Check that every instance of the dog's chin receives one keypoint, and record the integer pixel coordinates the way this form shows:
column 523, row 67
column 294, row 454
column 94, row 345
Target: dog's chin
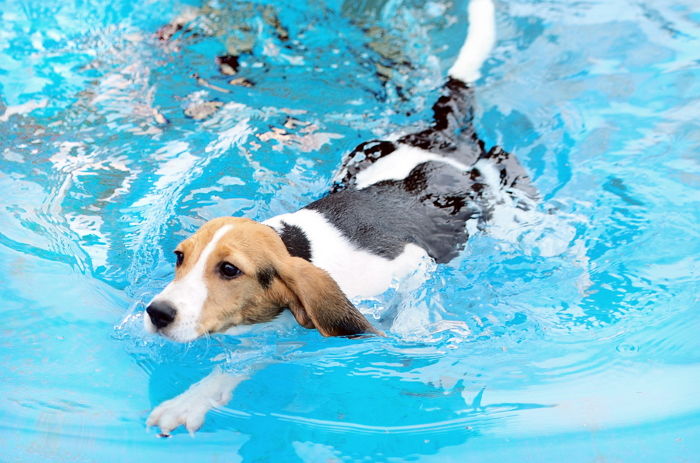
column 178, row 336
column 173, row 333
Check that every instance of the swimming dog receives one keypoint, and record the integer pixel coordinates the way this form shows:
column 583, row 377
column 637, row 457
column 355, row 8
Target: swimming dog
column 393, row 204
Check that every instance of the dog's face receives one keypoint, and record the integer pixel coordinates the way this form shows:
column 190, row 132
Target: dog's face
column 236, row 271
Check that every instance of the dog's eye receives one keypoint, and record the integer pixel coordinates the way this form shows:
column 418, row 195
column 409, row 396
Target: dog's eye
column 228, row 270
column 179, row 256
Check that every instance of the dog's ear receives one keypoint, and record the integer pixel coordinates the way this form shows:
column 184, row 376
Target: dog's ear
column 318, row 302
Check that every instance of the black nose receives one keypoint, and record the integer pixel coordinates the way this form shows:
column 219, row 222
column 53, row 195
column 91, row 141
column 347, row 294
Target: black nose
column 162, row 313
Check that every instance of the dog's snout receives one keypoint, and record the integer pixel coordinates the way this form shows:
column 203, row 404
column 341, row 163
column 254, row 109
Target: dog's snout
column 161, row 313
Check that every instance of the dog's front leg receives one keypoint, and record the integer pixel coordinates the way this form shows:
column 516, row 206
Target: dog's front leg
column 190, row 407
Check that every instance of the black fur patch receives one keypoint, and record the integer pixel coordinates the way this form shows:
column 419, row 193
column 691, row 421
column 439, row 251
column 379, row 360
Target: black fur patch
column 296, row 241
column 265, row 276
column 452, row 132
column 429, row 208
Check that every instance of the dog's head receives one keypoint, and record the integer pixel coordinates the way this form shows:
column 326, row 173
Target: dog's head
column 236, row 271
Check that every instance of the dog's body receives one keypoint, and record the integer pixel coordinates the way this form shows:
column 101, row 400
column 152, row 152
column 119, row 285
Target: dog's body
column 397, row 202
column 393, row 204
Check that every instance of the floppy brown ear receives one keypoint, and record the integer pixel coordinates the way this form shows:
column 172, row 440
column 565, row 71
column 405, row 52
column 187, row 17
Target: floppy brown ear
column 318, row 301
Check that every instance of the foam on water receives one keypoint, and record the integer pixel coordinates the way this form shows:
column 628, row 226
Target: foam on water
column 565, row 332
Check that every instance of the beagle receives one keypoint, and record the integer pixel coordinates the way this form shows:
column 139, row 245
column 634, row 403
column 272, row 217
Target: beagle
column 393, row 204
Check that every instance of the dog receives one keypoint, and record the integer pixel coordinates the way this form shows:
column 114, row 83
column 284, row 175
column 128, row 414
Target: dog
column 393, row 204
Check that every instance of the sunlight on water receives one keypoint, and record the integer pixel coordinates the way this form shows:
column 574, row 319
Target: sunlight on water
column 566, row 333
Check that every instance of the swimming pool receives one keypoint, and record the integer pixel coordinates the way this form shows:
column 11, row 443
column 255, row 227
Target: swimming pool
column 573, row 338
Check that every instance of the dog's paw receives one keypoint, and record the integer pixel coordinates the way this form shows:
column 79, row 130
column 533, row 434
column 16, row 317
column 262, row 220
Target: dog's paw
column 190, row 407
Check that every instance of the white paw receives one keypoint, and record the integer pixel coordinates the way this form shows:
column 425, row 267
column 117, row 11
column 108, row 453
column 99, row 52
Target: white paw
column 190, row 407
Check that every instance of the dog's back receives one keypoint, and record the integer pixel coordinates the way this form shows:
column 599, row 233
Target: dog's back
column 429, row 188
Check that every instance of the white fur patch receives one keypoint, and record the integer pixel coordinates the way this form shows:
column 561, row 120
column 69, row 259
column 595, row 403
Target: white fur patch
column 480, row 40
column 359, row 273
column 187, row 295
column 400, row 163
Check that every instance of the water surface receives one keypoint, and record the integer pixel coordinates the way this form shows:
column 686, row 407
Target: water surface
column 573, row 337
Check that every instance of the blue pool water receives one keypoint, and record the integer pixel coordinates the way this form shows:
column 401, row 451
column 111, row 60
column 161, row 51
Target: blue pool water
column 568, row 339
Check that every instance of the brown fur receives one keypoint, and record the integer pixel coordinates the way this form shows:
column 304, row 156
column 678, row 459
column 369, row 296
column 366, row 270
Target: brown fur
column 272, row 280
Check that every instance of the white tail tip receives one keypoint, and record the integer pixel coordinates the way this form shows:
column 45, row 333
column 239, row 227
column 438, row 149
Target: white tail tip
column 480, row 40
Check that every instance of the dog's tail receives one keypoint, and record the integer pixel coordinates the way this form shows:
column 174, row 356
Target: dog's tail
column 452, row 127
column 480, row 40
